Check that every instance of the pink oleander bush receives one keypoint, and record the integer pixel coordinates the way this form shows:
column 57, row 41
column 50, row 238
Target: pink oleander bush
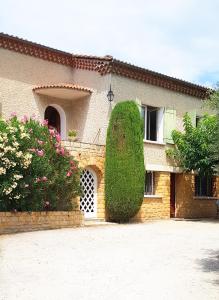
column 36, row 172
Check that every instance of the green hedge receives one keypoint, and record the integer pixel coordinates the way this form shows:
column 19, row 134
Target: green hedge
column 124, row 169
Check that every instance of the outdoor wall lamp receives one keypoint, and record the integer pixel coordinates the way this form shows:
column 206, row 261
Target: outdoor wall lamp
column 110, row 95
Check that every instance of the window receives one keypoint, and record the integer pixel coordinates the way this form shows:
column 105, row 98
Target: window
column 197, row 120
column 149, row 183
column 153, row 123
column 203, row 186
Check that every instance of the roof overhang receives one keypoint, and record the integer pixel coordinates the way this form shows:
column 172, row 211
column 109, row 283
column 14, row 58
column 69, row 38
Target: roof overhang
column 63, row 91
column 102, row 65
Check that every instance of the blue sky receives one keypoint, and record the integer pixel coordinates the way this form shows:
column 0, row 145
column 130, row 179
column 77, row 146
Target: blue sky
column 179, row 38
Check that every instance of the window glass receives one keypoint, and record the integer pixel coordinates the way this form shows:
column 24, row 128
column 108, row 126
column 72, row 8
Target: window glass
column 203, row 186
column 151, row 123
column 149, row 183
column 197, row 120
column 150, row 118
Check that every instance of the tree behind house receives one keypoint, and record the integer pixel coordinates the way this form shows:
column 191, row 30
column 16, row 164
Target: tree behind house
column 194, row 149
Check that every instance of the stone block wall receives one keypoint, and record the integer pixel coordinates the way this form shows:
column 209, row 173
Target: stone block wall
column 30, row 221
column 153, row 207
column 92, row 156
column 158, row 206
column 189, row 206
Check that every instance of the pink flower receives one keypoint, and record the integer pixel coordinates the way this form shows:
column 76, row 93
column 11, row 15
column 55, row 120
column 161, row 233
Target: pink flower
column 13, row 114
column 30, row 130
column 40, row 142
column 40, row 152
column 38, row 179
column 73, row 168
column 52, row 132
column 44, row 178
column 62, row 151
column 69, row 174
column 32, row 150
column 58, row 137
column 44, row 122
column 33, row 117
column 24, row 119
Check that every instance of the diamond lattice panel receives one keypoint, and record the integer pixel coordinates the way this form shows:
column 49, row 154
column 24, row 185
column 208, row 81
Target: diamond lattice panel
column 87, row 200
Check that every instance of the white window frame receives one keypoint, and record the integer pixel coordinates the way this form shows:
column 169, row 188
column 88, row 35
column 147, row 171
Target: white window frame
column 159, row 125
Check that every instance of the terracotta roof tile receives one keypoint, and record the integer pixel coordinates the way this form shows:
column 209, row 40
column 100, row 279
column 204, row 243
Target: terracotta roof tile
column 65, row 86
column 103, row 65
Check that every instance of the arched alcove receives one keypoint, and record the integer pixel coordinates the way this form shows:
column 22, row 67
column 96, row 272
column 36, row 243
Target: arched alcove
column 56, row 118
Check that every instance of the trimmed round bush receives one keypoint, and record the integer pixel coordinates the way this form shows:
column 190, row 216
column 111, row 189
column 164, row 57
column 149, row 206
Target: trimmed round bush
column 124, row 167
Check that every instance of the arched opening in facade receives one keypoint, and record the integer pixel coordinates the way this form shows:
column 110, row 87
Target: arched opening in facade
column 56, row 119
column 53, row 117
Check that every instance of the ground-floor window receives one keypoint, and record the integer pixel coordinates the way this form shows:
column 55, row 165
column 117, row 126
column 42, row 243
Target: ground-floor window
column 203, row 186
column 149, row 183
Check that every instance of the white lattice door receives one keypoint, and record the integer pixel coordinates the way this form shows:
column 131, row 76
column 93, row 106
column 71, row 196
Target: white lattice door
column 88, row 200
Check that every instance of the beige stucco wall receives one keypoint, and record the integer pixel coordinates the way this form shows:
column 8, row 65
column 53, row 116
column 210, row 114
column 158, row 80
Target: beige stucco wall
column 89, row 115
column 98, row 111
column 129, row 89
column 19, row 74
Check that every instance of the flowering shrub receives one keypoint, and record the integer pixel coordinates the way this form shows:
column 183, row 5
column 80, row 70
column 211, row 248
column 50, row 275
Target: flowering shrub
column 36, row 172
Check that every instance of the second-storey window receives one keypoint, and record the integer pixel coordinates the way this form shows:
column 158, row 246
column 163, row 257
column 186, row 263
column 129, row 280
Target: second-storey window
column 197, row 120
column 153, row 121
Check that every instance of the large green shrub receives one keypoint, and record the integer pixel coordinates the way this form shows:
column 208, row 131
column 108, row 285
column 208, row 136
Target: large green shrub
column 124, row 173
column 194, row 149
column 36, row 172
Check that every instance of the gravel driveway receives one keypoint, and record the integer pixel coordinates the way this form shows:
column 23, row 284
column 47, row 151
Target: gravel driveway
column 155, row 260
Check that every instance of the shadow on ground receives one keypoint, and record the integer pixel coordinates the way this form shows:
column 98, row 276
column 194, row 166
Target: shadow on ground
column 210, row 264
column 210, row 220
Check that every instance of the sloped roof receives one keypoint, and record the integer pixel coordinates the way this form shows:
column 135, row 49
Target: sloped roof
column 103, row 65
column 63, row 90
column 65, row 86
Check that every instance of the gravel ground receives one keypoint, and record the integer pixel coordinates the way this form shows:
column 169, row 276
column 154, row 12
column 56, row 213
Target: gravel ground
column 155, row 260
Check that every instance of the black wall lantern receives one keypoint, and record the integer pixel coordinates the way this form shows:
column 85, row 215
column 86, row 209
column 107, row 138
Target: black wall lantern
column 110, row 95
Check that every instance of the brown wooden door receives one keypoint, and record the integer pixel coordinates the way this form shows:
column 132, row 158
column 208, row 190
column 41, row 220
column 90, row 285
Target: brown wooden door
column 172, row 194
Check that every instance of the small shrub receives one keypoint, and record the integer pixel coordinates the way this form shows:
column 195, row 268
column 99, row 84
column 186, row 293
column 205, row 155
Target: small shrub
column 124, row 172
column 72, row 134
column 36, row 172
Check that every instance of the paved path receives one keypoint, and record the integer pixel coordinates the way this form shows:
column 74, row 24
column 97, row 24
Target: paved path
column 156, row 260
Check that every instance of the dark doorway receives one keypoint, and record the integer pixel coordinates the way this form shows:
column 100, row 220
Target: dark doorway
column 53, row 117
column 172, row 194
